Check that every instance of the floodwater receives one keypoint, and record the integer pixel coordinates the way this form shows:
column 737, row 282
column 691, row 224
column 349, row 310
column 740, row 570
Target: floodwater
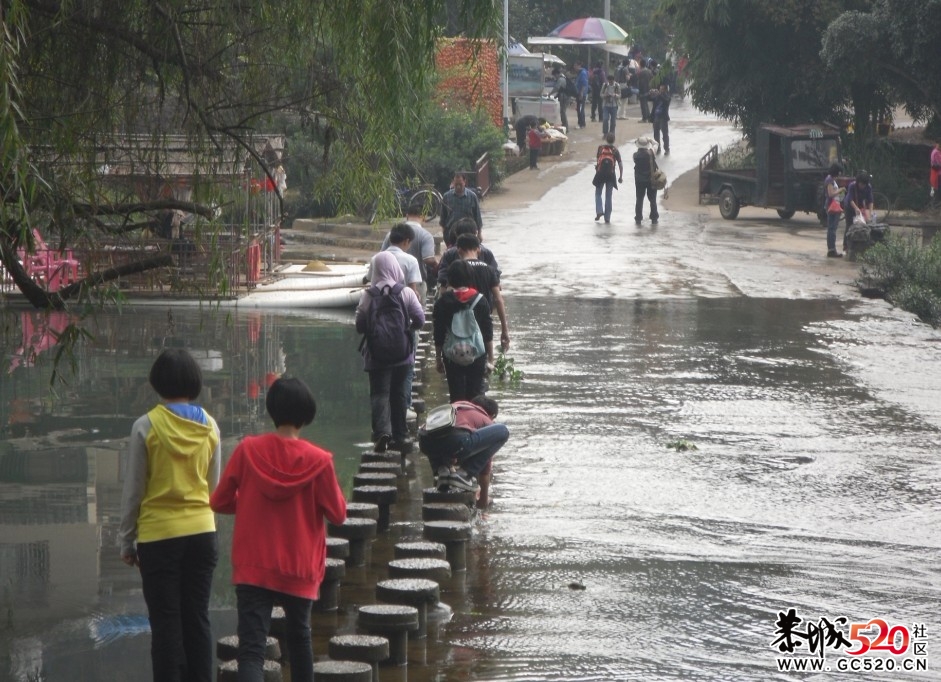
column 606, row 555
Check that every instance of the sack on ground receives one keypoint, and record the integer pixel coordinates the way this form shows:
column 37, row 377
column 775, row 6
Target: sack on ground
column 658, row 179
column 388, row 330
column 464, row 343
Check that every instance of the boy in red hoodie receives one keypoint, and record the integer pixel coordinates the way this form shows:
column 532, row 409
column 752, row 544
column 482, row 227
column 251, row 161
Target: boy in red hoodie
column 280, row 488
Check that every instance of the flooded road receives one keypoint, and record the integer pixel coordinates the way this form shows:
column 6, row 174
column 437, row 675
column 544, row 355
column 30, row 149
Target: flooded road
column 607, row 554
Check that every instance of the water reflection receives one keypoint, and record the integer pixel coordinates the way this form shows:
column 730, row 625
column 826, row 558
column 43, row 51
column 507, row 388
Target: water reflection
column 813, row 485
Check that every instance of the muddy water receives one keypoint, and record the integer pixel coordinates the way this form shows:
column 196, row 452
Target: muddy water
column 607, row 555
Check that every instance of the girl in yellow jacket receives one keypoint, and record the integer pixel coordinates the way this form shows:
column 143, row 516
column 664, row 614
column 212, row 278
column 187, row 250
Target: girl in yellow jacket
column 167, row 527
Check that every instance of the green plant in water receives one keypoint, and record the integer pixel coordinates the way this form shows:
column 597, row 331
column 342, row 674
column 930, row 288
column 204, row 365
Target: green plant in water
column 682, row 445
column 505, row 370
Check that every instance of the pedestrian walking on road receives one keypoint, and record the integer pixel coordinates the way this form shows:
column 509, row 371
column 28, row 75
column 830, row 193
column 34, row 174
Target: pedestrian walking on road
column 606, row 158
column 644, row 165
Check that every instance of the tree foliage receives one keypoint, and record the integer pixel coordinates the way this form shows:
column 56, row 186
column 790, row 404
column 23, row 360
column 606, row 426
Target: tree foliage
column 78, row 77
column 757, row 62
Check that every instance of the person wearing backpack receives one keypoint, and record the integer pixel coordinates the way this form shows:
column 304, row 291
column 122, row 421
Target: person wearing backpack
column 605, row 159
column 463, row 331
column 387, row 315
column 644, row 166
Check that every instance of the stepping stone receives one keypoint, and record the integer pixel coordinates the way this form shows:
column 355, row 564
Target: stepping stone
column 338, row 548
column 363, row 648
column 437, row 570
column 417, row 592
column 330, row 587
column 358, row 532
column 393, row 622
column 227, row 648
column 419, row 550
column 445, row 511
column 382, row 495
column 342, row 671
column 373, row 479
column 229, row 672
column 362, row 510
column 419, row 405
column 463, row 496
column 454, row 535
column 389, row 457
column 382, row 467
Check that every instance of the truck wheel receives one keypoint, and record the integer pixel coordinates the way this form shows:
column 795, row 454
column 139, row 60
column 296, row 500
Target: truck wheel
column 728, row 204
column 785, row 215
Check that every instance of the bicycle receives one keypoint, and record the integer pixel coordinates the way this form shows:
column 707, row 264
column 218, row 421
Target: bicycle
column 425, row 196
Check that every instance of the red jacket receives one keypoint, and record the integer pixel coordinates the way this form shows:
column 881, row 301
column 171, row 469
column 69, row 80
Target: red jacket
column 280, row 490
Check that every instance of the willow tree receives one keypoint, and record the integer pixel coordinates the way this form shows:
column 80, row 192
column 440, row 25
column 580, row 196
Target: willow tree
column 79, row 76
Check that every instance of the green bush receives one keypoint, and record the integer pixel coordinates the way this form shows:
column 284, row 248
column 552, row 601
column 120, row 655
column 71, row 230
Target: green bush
column 908, row 275
column 452, row 140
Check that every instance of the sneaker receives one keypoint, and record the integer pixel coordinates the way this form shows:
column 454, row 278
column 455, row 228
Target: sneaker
column 638, row 220
column 461, row 480
column 834, row 254
column 666, row 152
column 382, row 443
column 443, row 479
column 598, row 216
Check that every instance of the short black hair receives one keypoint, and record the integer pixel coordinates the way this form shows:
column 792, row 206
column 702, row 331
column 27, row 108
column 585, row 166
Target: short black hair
column 175, row 374
column 835, row 169
column 465, row 226
column 401, row 232
column 289, row 401
column 459, row 274
column 489, row 405
column 467, row 242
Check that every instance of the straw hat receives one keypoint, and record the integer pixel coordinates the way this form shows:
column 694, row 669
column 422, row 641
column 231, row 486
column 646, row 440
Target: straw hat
column 642, row 142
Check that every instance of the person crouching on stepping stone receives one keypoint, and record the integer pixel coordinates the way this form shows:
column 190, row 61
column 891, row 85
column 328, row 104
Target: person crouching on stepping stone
column 461, row 454
column 280, row 489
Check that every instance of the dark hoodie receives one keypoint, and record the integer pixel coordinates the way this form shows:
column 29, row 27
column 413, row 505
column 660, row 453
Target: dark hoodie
column 280, row 490
column 453, row 300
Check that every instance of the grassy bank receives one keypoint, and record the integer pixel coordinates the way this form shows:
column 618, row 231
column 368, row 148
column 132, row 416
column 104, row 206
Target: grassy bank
column 906, row 274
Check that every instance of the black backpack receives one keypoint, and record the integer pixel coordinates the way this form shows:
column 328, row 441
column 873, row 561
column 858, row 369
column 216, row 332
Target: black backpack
column 569, row 88
column 388, row 329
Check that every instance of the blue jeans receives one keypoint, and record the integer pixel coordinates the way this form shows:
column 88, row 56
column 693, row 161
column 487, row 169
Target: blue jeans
column 472, row 449
column 580, row 110
column 833, row 222
column 606, row 208
column 177, row 580
column 254, row 609
column 388, row 398
column 609, row 118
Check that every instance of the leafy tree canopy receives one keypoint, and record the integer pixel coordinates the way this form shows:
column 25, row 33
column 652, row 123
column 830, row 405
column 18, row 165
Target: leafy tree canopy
column 78, row 77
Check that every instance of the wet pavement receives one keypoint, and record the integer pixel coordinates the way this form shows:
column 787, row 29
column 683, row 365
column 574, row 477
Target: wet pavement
column 607, row 554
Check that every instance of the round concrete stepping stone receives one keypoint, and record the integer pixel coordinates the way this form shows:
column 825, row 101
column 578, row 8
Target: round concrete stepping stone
column 445, row 511
column 382, row 467
column 363, row 648
column 374, row 479
column 418, row 404
column 358, row 532
column 381, row 495
column 338, row 548
column 362, row 510
column 393, row 622
column 419, row 550
column 229, row 672
column 430, row 495
column 454, row 535
column 437, row 570
column 342, row 671
column 227, row 648
column 329, row 599
column 417, row 592
column 388, row 457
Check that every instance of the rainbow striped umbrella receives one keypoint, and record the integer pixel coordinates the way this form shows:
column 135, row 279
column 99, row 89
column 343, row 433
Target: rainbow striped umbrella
column 591, row 28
